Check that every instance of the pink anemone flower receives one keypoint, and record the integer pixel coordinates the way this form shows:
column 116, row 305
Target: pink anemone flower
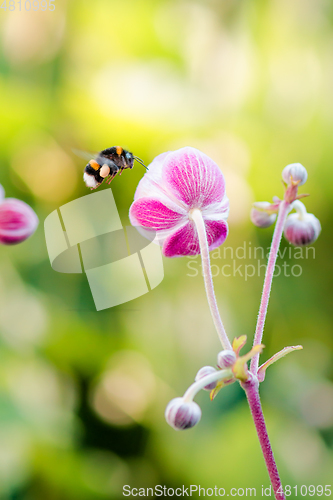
column 177, row 183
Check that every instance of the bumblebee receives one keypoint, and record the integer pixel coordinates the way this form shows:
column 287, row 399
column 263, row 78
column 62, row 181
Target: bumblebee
column 107, row 164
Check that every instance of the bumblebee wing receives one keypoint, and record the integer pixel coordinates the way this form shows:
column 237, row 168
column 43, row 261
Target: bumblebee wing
column 84, row 154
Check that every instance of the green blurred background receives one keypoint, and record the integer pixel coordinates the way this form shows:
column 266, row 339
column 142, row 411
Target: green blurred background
column 83, row 393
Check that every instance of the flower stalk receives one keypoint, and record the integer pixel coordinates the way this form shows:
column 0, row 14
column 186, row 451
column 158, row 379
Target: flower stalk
column 253, row 398
column 197, row 218
column 208, row 379
column 282, row 216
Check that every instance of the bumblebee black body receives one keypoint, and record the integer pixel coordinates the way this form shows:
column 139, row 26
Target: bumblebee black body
column 119, row 156
column 107, row 164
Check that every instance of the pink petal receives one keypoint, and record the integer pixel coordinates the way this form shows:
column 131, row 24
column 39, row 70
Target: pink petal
column 193, row 177
column 217, row 211
column 217, row 232
column 184, row 241
column 153, row 214
column 151, row 182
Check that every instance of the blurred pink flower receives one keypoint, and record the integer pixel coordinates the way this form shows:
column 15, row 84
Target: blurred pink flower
column 18, row 221
column 178, row 182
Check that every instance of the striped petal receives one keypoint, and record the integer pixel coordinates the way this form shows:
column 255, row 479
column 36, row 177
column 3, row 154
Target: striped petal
column 153, row 214
column 184, row 240
column 151, row 182
column 193, row 178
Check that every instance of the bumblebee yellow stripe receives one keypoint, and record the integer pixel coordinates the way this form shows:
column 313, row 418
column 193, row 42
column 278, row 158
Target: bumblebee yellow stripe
column 94, row 164
column 119, row 150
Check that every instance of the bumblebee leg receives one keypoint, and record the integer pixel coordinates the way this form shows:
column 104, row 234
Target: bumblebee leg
column 111, row 177
column 114, row 169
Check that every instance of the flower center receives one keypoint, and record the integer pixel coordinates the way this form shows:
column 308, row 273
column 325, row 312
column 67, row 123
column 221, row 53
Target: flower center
column 192, row 212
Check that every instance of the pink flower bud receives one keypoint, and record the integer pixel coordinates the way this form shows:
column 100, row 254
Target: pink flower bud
column 302, row 230
column 18, row 221
column 203, row 372
column 262, row 219
column 182, row 415
column 296, row 171
column 226, row 358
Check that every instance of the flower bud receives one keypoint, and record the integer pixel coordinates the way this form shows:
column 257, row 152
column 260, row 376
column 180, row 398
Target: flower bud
column 18, row 221
column 296, row 171
column 206, row 370
column 303, row 230
column 226, row 358
column 182, row 415
column 262, row 219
